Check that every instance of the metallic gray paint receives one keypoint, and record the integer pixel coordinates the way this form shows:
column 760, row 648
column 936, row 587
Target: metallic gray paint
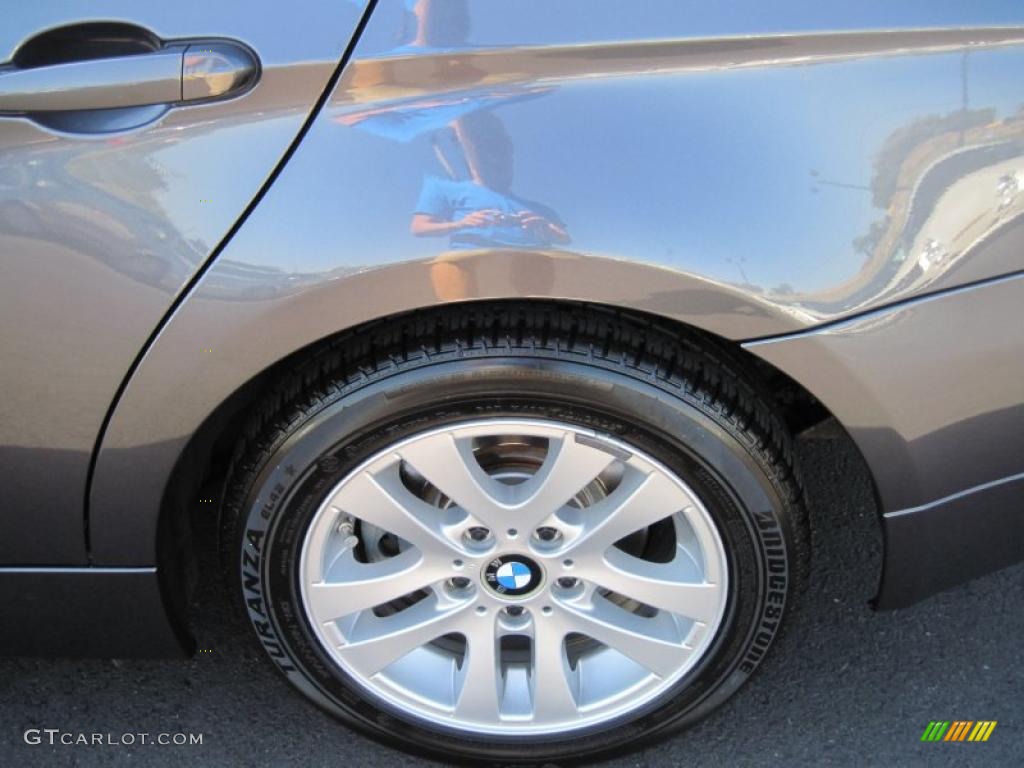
column 748, row 170
column 98, row 235
column 748, row 186
column 932, row 391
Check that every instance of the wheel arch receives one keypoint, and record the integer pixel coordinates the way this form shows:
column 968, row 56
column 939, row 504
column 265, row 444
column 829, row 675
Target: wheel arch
column 200, row 460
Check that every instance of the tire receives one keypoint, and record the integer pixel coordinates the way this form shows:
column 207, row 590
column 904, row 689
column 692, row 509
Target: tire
column 685, row 406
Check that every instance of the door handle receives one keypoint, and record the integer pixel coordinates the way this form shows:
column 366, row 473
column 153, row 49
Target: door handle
column 175, row 75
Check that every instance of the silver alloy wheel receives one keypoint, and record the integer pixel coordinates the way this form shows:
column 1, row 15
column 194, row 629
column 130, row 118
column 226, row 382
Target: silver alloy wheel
column 497, row 577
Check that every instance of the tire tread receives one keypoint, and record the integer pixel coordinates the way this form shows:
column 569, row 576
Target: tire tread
column 695, row 367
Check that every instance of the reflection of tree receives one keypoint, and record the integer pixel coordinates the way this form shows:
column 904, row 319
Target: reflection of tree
column 903, row 158
column 867, row 243
column 906, row 141
column 945, row 184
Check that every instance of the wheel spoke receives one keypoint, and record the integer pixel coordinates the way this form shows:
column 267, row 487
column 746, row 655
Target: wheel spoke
column 382, row 500
column 654, row 584
column 641, row 501
column 376, row 642
column 654, row 643
column 450, row 466
column 567, row 469
column 479, row 696
column 552, row 679
column 365, row 585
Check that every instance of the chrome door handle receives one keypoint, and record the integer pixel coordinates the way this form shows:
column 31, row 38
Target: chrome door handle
column 176, row 74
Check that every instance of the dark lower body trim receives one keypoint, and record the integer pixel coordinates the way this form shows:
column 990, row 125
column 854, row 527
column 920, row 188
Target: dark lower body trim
column 107, row 612
column 952, row 540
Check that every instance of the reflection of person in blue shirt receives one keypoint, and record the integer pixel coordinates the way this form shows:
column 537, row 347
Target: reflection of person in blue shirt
column 476, row 216
column 481, row 211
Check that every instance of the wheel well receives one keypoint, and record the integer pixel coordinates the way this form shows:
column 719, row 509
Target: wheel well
column 203, row 464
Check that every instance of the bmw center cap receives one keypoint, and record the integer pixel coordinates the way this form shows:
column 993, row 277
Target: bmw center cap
column 513, row 575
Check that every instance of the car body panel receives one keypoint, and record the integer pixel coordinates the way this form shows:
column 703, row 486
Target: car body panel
column 732, row 184
column 100, row 233
column 932, row 393
column 757, row 172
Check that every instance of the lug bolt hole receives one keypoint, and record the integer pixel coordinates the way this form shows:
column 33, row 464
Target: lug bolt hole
column 477, row 534
column 547, row 534
column 546, row 610
column 567, row 582
column 514, row 610
column 459, row 582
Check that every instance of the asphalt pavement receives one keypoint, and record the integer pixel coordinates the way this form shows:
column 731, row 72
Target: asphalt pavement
column 844, row 686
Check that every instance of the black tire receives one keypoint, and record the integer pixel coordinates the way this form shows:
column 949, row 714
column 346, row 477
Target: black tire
column 687, row 401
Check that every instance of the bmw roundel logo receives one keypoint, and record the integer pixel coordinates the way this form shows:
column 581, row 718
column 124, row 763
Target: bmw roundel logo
column 512, row 575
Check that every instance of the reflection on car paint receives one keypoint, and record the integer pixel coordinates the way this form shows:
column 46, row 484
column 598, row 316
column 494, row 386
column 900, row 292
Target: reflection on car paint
column 814, row 175
column 710, row 163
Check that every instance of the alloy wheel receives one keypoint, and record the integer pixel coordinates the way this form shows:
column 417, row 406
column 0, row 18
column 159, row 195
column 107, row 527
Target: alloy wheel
column 513, row 576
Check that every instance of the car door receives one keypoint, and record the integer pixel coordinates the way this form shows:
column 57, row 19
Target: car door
column 132, row 137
